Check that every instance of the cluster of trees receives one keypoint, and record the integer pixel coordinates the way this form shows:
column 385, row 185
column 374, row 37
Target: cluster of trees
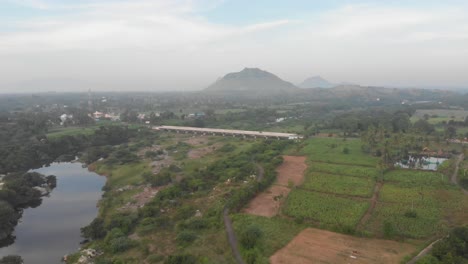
column 37, row 150
column 452, row 249
column 18, row 192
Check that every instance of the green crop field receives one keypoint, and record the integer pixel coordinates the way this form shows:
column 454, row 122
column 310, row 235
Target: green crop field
column 392, row 220
column 416, row 204
column 356, row 171
column 339, row 184
column 333, row 150
column 327, row 209
column 415, row 177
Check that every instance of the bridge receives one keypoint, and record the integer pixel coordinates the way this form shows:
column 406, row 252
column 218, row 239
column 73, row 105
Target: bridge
column 228, row 132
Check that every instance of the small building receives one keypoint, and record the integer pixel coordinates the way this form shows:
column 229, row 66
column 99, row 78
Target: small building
column 98, row 115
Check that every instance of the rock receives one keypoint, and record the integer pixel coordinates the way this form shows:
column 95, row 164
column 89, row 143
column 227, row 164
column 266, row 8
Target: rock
column 198, row 213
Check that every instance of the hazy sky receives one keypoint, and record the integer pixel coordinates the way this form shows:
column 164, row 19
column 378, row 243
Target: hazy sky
column 186, row 45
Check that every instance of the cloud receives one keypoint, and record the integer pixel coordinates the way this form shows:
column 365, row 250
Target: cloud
column 170, row 44
column 123, row 24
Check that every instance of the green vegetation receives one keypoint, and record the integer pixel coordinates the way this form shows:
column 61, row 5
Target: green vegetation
column 451, row 249
column 274, row 232
column 331, row 150
column 330, row 183
column 329, row 210
column 345, row 170
column 19, row 192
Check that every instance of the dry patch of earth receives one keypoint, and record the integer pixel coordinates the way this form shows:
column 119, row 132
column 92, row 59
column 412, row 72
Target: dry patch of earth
column 197, row 140
column 290, row 172
column 321, row 246
column 201, row 152
column 140, row 199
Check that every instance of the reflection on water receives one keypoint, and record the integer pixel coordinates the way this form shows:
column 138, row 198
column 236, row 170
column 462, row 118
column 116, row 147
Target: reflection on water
column 422, row 163
column 52, row 230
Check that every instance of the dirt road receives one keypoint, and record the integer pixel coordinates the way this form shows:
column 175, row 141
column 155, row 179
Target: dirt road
column 232, row 236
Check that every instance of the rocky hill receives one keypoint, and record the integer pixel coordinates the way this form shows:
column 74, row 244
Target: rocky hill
column 252, row 80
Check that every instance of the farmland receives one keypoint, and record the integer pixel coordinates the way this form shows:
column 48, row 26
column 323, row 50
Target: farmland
column 336, row 194
column 338, row 184
column 327, row 209
column 338, row 151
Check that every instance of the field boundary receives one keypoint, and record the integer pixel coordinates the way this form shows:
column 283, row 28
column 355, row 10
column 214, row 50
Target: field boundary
column 370, row 211
column 342, row 163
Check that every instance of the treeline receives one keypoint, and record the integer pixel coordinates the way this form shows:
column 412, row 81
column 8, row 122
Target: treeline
column 18, row 192
column 37, row 150
column 452, row 249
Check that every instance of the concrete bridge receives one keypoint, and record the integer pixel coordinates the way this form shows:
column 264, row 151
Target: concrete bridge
column 228, row 132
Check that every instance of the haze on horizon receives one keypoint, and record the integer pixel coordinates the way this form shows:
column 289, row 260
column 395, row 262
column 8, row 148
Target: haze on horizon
column 167, row 45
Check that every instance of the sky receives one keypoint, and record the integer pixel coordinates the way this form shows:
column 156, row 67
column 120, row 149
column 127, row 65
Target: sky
column 175, row 45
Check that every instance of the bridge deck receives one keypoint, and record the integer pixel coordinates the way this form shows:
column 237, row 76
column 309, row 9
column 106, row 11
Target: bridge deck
column 229, row 132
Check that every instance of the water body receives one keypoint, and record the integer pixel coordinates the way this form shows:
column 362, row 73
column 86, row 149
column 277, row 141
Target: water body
column 422, row 163
column 52, row 230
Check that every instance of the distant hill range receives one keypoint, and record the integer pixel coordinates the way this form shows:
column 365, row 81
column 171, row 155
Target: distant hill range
column 316, row 82
column 255, row 83
column 252, row 80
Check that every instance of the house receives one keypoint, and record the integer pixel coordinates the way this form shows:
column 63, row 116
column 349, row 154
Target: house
column 98, row 115
column 141, row 116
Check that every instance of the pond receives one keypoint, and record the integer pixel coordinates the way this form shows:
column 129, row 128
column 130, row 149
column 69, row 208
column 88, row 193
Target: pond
column 422, row 163
column 50, row 231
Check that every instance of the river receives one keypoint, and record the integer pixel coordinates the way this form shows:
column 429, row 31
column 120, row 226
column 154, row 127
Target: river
column 50, row 231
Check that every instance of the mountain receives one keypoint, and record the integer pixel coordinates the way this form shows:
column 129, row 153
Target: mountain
column 252, row 80
column 316, row 82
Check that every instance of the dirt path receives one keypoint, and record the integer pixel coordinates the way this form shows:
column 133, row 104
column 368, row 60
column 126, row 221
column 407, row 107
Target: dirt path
column 423, row 252
column 455, row 172
column 267, row 203
column 232, row 236
column 260, row 172
column 374, row 200
column 321, row 246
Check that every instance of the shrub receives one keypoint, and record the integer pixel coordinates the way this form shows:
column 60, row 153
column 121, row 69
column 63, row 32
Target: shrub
column 250, row 236
column 411, row 214
column 11, row 259
column 181, row 259
column 185, row 237
column 120, row 244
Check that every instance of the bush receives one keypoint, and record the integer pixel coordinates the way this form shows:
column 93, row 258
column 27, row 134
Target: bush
column 186, row 237
column 411, row 214
column 250, row 236
column 95, row 230
column 11, row 259
column 181, row 259
column 154, row 258
column 120, row 244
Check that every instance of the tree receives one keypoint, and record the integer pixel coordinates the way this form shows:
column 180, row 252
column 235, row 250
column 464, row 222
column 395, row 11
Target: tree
column 450, row 132
column 95, row 230
column 11, row 259
column 423, row 126
column 250, row 236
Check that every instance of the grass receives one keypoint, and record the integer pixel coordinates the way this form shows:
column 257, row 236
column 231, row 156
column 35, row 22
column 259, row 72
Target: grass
column 71, row 131
column 339, row 184
column 276, row 232
column 356, row 171
column 332, row 150
column 122, row 175
column 416, row 177
column 327, row 209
